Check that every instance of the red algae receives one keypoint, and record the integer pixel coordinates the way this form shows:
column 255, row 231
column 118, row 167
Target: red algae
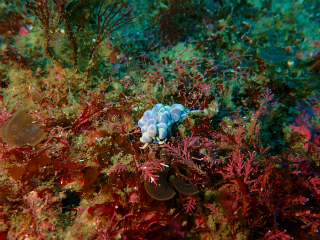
column 31, row 168
column 20, row 130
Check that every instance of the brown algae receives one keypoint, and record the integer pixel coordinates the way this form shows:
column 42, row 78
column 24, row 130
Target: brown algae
column 274, row 55
column 20, row 130
column 185, row 188
column 162, row 191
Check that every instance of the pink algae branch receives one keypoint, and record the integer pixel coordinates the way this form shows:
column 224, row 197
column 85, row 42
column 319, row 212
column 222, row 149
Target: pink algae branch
column 150, row 168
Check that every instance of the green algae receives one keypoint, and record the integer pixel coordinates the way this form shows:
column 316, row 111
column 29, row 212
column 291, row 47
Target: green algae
column 274, row 55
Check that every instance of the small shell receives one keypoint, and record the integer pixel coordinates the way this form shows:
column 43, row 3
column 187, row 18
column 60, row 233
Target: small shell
column 151, row 122
column 157, row 107
column 141, row 123
column 162, row 133
column 145, row 138
column 175, row 117
column 152, row 131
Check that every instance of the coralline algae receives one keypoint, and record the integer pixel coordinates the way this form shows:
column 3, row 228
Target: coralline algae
column 156, row 123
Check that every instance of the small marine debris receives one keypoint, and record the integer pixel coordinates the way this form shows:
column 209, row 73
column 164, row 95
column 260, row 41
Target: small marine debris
column 20, row 130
